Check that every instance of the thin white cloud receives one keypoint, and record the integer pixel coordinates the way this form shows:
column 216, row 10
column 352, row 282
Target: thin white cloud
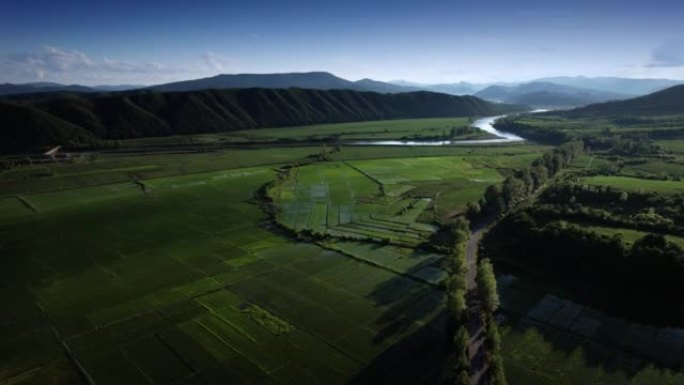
column 217, row 63
column 72, row 66
column 668, row 54
column 130, row 67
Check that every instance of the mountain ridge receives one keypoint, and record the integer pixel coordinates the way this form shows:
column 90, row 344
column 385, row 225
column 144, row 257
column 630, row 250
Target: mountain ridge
column 626, row 87
column 547, row 94
column 86, row 120
column 669, row 101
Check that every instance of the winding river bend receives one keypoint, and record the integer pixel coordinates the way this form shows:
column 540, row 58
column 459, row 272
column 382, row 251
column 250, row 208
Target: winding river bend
column 485, row 124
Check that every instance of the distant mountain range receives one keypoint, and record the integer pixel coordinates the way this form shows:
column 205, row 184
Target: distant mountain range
column 46, row 87
column 626, row 86
column 615, row 85
column 32, row 88
column 669, row 101
column 556, row 92
column 383, row 87
column 308, row 80
column 86, row 120
column 460, row 88
column 547, row 95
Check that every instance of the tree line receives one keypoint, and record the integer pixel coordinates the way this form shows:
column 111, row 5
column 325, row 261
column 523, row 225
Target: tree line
column 603, row 268
column 456, row 296
column 523, row 183
column 486, row 284
column 605, row 205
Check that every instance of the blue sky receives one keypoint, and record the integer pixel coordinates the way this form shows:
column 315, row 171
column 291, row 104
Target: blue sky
column 154, row 41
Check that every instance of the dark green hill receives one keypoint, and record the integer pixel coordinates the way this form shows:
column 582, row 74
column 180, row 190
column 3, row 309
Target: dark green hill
column 86, row 119
column 25, row 126
column 669, row 101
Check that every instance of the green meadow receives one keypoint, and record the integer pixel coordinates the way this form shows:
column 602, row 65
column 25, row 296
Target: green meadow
column 383, row 129
column 630, row 236
column 549, row 339
column 162, row 268
column 635, row 184
column 431, row 128
column 182, row 285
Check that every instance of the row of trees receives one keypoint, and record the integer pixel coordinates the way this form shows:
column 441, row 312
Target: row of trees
column 499, row 200
column 456, row 291
column 609, row 206
column 629, row 144
column 486, row 284
column 537, row 133
column 604, row 268
column 519, row 186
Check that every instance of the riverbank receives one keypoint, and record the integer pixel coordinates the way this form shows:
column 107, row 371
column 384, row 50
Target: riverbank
column 485, row 124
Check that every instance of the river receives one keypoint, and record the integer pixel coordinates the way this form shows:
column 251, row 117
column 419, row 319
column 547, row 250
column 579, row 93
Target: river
column 485, row 124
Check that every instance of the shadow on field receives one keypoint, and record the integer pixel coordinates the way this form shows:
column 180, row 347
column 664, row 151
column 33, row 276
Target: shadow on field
column 406, row 301
column 629, row 350
column 414, row 323
column 419, row 358
column 585, row 334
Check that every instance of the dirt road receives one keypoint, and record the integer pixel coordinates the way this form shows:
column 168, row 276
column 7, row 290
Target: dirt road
column 476, row 349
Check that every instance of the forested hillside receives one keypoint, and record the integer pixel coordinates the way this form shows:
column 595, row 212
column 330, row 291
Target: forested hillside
column 82, row 120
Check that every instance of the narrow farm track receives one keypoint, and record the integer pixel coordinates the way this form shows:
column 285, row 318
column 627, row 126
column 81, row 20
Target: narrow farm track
column 476, row 349
column 479, row 367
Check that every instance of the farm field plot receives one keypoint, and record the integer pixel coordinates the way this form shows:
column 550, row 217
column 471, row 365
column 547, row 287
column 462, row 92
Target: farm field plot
column 384, row 129
column 491, row 153
column 401, row 170
column 450, row 182
column 550, row 340
column 416, row 264
column 112, row 168
column 605, row 126
column 178, row 284
column 651, row 168
column 662, row 169
column 630, row 236
column 383, row 199
column 635, row 184
column 339, row 200
column 676, row 146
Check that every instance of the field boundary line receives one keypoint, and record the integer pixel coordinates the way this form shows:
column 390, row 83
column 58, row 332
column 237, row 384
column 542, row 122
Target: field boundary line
column 377, row 265
column 367, row 175
column 238, row 351
column 311, row 333
column 70, row 355
column 282, row 163
column 18, row 378
column 127, row 179
column 28, row 204
column 194, row 372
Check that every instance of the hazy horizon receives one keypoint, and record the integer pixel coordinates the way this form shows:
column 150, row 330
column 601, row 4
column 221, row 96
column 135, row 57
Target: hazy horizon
column 126, row 42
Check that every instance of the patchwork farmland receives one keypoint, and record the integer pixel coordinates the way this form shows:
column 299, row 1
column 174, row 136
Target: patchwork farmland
column 192, row 286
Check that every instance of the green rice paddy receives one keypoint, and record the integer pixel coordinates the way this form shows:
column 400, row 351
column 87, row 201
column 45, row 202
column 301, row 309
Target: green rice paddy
column 187, row 288
column 162, row 269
